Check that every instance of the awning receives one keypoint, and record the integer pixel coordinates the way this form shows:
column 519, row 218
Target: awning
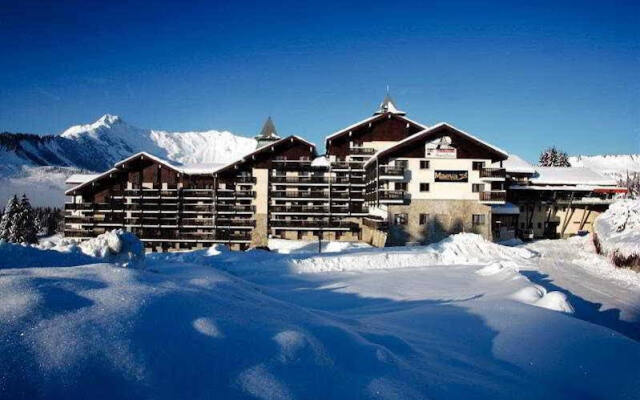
column 505, row 209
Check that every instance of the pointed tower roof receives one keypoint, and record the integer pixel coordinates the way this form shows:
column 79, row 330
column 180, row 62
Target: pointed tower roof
column 268, row 130
column 388, row 105
column 268, row 134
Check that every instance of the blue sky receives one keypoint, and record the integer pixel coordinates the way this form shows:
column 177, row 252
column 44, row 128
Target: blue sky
column 522, row 76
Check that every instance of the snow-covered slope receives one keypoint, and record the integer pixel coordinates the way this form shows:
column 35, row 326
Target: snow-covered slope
column 615, row 166
column 212, row 324
column 96, row 147
column 113, row 136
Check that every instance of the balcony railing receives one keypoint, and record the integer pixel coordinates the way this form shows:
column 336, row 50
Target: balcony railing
column 391, row 195
column 347, row 164
column 116, row 205
column 245, row 179
column 281, row 223
column 293, row 165
column 362, row 150
column 237, row 193
column 391, row 170
column 372, row 223
column 493, row 173
column 493, row 195
column 235, row 222
column 302, row 179
column 300, row 194
column 234, row 207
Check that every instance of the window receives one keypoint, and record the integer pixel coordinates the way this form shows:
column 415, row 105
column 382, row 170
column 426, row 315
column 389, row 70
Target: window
column 477, row 219
column 401, row 185
column 423, row 219
column 400, row 163
column 400, row 219
column 477, row 187
column 424, row 164
column 424, row 187
column 477, row 165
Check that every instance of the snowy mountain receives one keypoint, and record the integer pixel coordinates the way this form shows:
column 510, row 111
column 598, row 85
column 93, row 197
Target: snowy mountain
column 26, row 160
column 615, row 166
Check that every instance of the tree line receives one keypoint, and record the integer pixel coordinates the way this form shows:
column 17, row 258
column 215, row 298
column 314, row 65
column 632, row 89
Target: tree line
column 22, row 223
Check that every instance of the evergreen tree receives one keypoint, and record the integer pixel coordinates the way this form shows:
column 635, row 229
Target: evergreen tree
column 552, row 157
column 24, row 227
column 29, row 227
column 8, row 219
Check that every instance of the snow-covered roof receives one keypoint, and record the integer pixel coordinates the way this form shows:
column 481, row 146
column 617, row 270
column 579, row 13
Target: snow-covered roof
column 321, row 161
column 563, row 188
column 268, row 130
column 516, row 165
column 425, row 132
column 371, row 119
column 85, row 183
column 388, row 105
column 570, row 176
column 76, row 179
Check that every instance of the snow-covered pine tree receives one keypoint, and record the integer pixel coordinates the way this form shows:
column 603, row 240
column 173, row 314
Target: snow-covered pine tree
column 8, row 218
column 29, row 228
column 552, row 157
column 24, row 228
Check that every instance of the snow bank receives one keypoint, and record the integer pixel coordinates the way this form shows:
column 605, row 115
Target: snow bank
column 284, row 246
column 538, row 296
column 617, row 233
column 116, row 247
column 460, row 249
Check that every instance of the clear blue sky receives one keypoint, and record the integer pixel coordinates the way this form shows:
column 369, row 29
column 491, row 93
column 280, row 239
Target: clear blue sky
column 522, row 76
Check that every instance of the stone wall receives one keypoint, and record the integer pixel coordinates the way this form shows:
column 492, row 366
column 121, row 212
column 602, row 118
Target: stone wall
column 446, row 217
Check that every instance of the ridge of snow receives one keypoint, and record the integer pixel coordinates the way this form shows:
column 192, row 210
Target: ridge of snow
column 614, row 165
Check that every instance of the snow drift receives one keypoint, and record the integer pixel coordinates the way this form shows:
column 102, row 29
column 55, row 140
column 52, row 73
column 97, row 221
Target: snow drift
column 116, row 247
column 617, row 233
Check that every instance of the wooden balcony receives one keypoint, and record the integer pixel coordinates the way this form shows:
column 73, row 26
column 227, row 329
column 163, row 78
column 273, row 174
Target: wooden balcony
column 312, row 225
column 493, row 173
column 375, row 223
column 493, row 196
column 302, row 179
column 362, row 150
column 293, row 165
column 347, row 165
column 298, row 194
column 390, row 171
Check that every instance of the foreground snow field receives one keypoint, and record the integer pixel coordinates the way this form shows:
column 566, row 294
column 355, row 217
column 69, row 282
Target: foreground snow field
column 464, row 318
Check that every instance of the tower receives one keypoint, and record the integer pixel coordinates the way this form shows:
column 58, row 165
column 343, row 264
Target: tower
column 388, row 105
column 267, row 135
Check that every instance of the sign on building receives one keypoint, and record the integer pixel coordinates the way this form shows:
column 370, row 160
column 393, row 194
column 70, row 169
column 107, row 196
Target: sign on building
column 452, row 176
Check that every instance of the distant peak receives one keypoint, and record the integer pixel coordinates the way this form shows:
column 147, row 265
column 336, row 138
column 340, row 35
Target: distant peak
column 109, row 119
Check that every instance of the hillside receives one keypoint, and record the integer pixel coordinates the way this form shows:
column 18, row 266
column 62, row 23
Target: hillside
column 614, row 165
column 26, row 159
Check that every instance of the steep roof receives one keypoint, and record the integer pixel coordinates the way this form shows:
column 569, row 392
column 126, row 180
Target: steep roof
column 265, row 149
column 388, row 105
column 425, row 134
column 268, row 130
column 375, row 117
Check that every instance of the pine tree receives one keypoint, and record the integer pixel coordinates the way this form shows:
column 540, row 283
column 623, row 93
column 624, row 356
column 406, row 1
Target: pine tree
column 8, row 219
column 27, row 223
column 552, row 157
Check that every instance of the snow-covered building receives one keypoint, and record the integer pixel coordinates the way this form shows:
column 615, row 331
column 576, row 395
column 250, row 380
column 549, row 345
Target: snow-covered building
column 385, row 180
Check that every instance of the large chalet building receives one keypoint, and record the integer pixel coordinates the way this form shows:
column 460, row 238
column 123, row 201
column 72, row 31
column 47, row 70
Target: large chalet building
column 386, row 180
